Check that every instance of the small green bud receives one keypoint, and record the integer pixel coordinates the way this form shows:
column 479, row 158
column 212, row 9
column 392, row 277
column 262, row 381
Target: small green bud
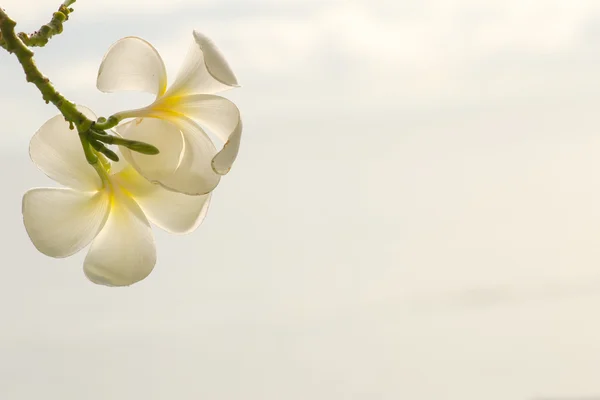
column 134, row 145
column 111, row 155
column 99, row 147
column 141, row 147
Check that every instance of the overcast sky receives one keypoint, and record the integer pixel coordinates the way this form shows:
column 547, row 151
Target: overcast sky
column 414, row 214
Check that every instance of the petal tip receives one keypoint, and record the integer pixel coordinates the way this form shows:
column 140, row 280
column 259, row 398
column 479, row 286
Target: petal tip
column 214, row 60
column 131, row 64
column 67, row 237
column 114, row 281
column 219, row 171
column 47, row 251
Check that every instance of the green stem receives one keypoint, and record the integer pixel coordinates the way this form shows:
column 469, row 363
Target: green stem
column 33, row 75
column 109, row 123
column 90, row 154
column 41, row 37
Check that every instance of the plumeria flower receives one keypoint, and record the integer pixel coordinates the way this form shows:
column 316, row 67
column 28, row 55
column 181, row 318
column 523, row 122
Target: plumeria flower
column 188, row 161
column 108, row 206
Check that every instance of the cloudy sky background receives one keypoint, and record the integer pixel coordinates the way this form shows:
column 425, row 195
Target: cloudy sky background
column 415, row 212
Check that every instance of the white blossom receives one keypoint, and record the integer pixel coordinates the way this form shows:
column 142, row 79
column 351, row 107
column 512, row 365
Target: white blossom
column 176, row 121
column 109, row 207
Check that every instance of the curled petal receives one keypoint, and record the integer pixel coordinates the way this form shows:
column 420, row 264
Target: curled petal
column 132, row 64
column 171, row 211
column 193, row 174
column 219, row 115
column 162, row 134
column 203, row 71
column 123, row 253
column 56, row 150
column 60, row 222
column 215, row 61
column 222, row 162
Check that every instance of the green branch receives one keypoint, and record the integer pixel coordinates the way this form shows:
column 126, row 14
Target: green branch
column 15, row 45
column 41, row 37
column 91, row 133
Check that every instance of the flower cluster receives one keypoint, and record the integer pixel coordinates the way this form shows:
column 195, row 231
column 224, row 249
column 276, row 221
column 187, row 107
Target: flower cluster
column 111, row 206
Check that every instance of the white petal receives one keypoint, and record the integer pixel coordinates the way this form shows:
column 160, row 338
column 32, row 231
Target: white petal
column 219, row 115
column 132, row 64
column 193, row 174
column 123, row 253
column 222, row 162
column 171, row 211
column 87, row 112
column 203, row 71
column 215, row 61
column 60, row 222
column 162, row 134
column 57, row 151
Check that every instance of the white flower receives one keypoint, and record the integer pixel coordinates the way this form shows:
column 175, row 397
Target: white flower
column 188, row 161
column 111, row 212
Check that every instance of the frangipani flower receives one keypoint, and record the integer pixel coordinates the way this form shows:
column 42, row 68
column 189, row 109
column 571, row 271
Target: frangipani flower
column 109, row 209
column 188, row 161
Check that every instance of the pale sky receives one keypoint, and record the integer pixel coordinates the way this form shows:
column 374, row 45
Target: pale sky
column 414, row 214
